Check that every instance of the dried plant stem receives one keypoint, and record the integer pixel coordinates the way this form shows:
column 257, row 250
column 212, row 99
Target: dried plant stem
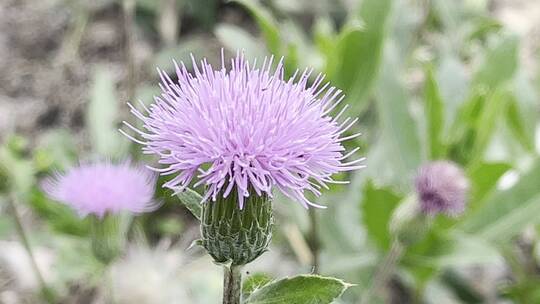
column 298, row 244
column 128, row 7
column 384, row 272
column 110, row 286
column 232, row 284
column 314, row 240
column 168, row 22
column 46, row 291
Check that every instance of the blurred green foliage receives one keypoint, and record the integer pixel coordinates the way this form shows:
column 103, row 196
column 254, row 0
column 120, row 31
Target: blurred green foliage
column 429, row 79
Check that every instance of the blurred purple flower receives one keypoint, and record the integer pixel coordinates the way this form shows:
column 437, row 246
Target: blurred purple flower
column 103, row 187
column 442, row 188
column 244, row 128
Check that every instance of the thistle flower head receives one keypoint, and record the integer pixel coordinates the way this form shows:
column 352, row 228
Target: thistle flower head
column 442, row 188
column 103, row 187
column 232, row 129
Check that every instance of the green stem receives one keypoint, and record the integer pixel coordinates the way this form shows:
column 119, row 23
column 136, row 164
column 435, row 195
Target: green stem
column 384, row 272
column 314, row 241
column 45, row 290
column 232, row 284
column 110, row 286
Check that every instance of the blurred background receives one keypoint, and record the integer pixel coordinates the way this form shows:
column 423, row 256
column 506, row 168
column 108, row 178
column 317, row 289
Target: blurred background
column 429, row 79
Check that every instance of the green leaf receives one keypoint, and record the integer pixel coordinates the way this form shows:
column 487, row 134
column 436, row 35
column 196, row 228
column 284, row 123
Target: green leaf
column 418, row 257
column 19, row 171
column 404, row 27
column 254, row 282
column 517, row 126
column 499, row 65
column 526, row 94
column 102, row 115
column 486, row 122
column 466, row 250
column 506, row 213
column 527, row 290
column 474, row 127
column 192, row 200
column 453, row 85
column 359, row 52
column 448, row 13
column 483, row 27
column 441, row 250
column 397, row 154
column 267, row 24
column 59, row 217
column 235, row 38
column 302, row 289
column 339, row 221
column 291, row 60
column 434, row 110
column 324, row 36
column 377, row 206
column 298, row 49
column 484, row 177
column 463, row 130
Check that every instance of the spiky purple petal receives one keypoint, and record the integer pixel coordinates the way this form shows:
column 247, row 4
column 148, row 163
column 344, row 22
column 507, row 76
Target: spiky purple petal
column 229, row 129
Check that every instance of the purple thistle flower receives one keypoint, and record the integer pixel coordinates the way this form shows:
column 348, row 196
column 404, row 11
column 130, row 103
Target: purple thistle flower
column 246, row 128
column 442, row 188
column 103, row 187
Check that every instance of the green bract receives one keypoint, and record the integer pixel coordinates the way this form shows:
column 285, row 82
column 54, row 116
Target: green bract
column 234, row 235
column 108, row 236
column 408, row 225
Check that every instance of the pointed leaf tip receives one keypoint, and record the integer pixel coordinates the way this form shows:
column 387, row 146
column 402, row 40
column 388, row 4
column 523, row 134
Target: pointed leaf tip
column 192, row 201
column 301, row 289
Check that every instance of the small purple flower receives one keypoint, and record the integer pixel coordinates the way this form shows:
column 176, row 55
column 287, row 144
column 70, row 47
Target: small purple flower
column 442, row 188
column 246, row 128
column 102, row 187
